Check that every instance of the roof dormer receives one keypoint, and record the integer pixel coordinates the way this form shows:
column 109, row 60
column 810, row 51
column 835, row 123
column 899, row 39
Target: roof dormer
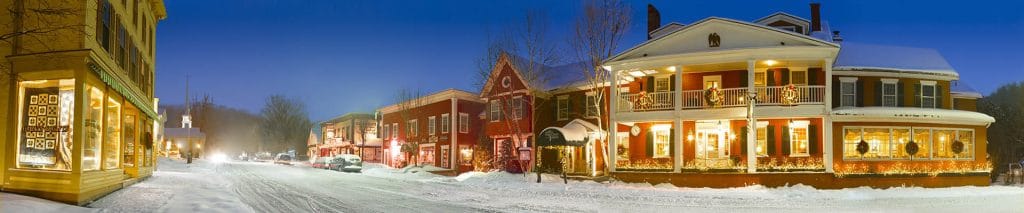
column 786, row 21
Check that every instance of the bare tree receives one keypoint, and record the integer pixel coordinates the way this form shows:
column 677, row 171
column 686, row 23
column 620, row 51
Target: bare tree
column 284, row 124
column 39, row 26
column 598, row 32
column 408, row 101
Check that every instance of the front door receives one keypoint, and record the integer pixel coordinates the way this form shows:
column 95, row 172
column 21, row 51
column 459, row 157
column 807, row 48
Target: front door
column 712, row 139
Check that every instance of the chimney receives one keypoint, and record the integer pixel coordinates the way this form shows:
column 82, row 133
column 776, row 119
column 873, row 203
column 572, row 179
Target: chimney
column 836, row 38
column 653, row 20
column 815, row 16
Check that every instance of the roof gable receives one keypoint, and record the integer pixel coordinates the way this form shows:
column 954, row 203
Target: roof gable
column 507, row 66
column 732, row 34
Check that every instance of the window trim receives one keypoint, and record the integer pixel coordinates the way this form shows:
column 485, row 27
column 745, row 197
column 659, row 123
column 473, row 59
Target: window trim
column 793, row 76
column 667, row 142
column 413, row 127
column 792, row 138
column 592, row 105
column 560, row 106
column 431, row 125
column 662, row 84
column 495, row 111
column 764, row 78
column 894, row 95
column 446, row 120
column 463, row 122
column 912, row 130
column 922, row 97
column 394, row 130
column 853, row 92
column 761, row 125
column 517, row 107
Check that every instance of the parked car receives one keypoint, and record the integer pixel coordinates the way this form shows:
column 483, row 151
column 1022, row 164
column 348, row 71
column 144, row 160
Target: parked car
column 322, row 163
column 347, row 163
column 283, row 159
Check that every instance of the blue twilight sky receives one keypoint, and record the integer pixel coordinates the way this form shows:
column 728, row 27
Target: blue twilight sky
column 343, row 56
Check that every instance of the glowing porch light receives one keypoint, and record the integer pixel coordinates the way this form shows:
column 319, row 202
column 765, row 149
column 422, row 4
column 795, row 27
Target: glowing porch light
column 636, row 73
column 671, row 68
column 770, row 62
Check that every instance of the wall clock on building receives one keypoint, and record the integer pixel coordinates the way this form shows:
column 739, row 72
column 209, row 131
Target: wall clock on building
column 635, row 130
column 506, row 82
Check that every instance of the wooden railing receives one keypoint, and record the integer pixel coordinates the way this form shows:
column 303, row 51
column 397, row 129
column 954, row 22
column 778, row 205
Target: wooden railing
column 731, row 97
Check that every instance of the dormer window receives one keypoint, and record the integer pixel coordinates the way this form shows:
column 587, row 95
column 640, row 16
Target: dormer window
column 788, row 28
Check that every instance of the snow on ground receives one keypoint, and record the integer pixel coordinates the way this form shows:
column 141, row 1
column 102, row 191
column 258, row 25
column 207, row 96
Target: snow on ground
column 20, row 203
column 265, row 187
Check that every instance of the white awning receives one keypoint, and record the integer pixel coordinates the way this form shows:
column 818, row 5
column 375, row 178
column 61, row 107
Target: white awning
column 911, row 115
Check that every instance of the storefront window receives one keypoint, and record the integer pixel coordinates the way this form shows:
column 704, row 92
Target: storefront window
column 129, row 137
column 878, row 142
column 112, row 142
column 93, row 128
column 427, row 154
column 47, row 109
column 922, row 137
column 622, row 144
column 465, row 155
column 943, row 140
column 900, row 137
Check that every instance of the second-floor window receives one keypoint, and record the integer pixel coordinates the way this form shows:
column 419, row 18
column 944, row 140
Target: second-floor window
column 463, row 123
column 412, row 127
column 386, row 132
column 563, row 108
column 431, row 125
column 889, row 92
column 848, row 92
column 928, row 96
column 394, row 130
column 446, row 122
column 495, row 110
column 760, row 78
column 661, row 84
column 592, row 106
column 798, row 77
column 517, row 107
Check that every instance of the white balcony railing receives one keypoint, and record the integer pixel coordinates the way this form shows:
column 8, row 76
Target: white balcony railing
column 731, row 97
column 808, row 94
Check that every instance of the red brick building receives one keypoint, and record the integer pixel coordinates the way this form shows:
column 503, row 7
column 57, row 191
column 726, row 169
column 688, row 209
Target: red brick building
column 438, row 129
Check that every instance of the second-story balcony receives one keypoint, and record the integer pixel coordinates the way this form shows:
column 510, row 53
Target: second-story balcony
column 729, row 97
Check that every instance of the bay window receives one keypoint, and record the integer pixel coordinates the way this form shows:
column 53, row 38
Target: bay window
column 890, row 143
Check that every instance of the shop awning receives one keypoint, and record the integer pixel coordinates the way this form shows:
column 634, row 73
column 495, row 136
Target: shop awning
column 575, row 133
column 141, row 103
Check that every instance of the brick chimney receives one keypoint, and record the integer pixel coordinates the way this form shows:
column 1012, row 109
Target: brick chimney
column 653, row 20
column 815, row 16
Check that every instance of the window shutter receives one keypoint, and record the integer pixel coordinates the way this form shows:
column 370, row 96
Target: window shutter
column 672, row 142
column 938, row 97
column 650, row 144
column 836, row 96
column 743, row 145
column 672, row 82
column 785, row 140
column 812, row 140
column 771, row 77
column 785, row 76
column 771, row 139
column 743, row 79
column 860, row 94
column 917, row 95
column 812, row 76
column 899, row 95
column 650, row 84
column 878, row 94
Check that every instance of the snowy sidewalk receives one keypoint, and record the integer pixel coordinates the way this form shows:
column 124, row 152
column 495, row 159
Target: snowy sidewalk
column 265, row 187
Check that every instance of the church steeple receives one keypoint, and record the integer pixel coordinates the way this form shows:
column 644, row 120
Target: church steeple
column 186, row 119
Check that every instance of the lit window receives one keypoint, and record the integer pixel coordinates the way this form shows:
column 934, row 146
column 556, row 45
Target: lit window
column 563, row 108
column 446, row 123
column 465, row 155
column 661, row 143
column 622, row 142
column 463, row 123
column 900, row 138
column 798, row 138
column 762, row 139
column 760, row 78
column 47, row 113
column 943, row 140
column 661, row 84
column 112, row 145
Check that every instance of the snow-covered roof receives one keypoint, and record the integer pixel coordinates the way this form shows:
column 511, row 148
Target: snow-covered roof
column 566, row 75
column 910, row 114
column 576, row 133
column 858, row 56
column 961, row 89
column 783, row 14
column 183, row 132
column 825, row 34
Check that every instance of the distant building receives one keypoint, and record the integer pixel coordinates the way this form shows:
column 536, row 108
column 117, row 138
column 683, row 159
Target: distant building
column 352, row 133
column 438, row 129
column 80, row 115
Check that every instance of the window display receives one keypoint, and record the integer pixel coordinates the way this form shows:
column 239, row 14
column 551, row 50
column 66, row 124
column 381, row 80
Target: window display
column 93, row 128
column 47, row 108
column 129, row 138
column 112, row 143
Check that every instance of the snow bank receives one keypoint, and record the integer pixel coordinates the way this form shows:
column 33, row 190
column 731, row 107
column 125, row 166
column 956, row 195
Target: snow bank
column 20, row 203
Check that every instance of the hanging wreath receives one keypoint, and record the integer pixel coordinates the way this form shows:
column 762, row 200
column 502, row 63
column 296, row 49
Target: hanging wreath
column 790, row 96
column 713, row 96
column 862, row 147
column 957, row 147
column 912, row 148
column 643, row 101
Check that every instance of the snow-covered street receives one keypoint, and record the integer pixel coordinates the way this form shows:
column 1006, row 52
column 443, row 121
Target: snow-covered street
column 265, row 187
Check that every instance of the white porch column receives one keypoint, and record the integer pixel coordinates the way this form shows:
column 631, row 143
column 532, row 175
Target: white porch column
column 677, row 164
column 751, row 121
column 613, row 105
column 826, row 122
